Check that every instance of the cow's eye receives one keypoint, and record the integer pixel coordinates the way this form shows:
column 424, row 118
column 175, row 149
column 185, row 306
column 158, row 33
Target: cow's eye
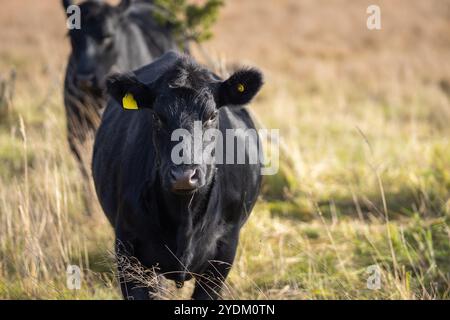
column 108, row 40
column 159, row 120
column 212, row 118
column 156, row 119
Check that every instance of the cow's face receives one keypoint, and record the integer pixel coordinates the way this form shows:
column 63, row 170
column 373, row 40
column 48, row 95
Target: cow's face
column 94, row 45
column 185, row 103
column 181, row 118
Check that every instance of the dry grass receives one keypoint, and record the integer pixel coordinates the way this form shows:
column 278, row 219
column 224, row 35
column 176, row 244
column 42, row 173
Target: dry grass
column 364, row 176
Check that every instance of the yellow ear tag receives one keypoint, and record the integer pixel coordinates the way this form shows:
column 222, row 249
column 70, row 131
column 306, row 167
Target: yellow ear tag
column 129, row 103
column 240, row 87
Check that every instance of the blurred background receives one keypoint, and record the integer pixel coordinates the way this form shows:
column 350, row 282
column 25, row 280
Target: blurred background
column 364, row 177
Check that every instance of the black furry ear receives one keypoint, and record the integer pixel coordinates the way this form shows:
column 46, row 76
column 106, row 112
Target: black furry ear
column 129, row 92
column 240, row 88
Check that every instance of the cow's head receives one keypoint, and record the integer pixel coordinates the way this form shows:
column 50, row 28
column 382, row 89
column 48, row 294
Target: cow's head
column 94, row 45
column 184, row 96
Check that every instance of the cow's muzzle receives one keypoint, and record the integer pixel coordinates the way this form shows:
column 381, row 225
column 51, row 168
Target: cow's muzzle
column 185, row 180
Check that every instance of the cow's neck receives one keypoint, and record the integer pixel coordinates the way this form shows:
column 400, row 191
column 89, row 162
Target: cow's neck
column 193, row 216
column 190, row 209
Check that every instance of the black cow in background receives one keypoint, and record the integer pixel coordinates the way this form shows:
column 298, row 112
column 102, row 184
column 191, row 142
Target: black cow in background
column 184, row 220
column 111, row 39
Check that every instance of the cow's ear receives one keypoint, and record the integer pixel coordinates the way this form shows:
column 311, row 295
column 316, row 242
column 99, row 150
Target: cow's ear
column 240, row 88
column 66, row 4
column 129, row 92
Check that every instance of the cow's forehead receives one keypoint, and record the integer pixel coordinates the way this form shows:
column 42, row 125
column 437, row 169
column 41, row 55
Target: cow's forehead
column 181, row 106
column 182, row 99
column 95, row 11
column 187, row 74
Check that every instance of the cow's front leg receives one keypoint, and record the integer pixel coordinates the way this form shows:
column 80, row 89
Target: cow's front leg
column 208, row 286
column 132, row 279
column 132, row 290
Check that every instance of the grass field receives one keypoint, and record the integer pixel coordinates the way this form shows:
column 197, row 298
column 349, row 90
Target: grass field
column 364, row 177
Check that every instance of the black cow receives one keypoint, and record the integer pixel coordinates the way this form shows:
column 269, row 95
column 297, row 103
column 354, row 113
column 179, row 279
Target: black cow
column 183, row 220
column 110, row 39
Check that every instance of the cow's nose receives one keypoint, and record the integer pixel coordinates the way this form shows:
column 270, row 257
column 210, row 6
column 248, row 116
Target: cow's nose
column 85, row 80
column 184, row 180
